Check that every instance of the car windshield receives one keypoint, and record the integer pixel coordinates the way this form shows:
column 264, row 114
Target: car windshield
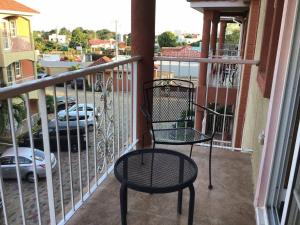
column 39, row 155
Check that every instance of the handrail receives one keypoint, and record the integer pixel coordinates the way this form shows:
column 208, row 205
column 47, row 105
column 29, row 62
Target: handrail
column 207, row 60
column 18, row 89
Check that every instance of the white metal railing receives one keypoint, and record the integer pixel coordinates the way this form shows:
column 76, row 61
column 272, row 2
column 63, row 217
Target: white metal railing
column 222, row 89
column 87, row 141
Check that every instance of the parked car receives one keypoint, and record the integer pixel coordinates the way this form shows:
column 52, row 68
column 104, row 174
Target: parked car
column 80, row 81
column 42, row 75
column 63, row 137
column 0, row 203
column 73, row 121
column 61, row 102
column 72, row 113
column 8, row 164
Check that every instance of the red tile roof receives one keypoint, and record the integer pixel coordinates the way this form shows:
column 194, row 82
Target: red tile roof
column 99, row 42
column 182, row 51
column 100, row 61
column 11, row 5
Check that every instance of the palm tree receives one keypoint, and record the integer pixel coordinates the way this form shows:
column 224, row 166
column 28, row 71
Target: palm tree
column 18, row 111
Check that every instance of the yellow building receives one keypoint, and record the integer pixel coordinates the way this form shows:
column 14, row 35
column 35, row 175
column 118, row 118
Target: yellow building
column 17, row 55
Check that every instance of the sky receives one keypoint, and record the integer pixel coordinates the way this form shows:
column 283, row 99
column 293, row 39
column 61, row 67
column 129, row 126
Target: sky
column 171, row 15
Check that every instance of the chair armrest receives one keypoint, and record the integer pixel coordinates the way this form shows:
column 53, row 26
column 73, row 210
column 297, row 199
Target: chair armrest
column 208, row 110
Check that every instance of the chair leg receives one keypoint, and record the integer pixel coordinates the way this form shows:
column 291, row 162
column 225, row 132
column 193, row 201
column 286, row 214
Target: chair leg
column 191, row 150
column 210, row 149
column 153, row 147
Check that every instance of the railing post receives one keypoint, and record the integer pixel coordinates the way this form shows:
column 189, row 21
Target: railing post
column 46, row 143
column 134, row 106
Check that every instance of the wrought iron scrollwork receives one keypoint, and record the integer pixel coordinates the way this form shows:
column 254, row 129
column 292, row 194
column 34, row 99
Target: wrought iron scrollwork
column 105, row 126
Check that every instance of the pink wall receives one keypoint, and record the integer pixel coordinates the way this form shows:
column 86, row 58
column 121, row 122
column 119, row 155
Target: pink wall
column 281, row 66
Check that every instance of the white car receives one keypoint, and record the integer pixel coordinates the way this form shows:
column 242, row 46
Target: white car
column 8, row 163
column 72, row 112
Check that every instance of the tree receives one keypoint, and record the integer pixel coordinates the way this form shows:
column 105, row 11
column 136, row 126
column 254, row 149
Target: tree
column 65, row 31
column 233, row 34
column 167, row 39
column 127, row 38
column 39, row 68
column 19, row 114
column 188, row 36
column 39, row 42
column 79, row 38
column 105, row 34
column 91, row 34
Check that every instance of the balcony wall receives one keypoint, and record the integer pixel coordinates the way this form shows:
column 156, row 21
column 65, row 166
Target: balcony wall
column 257, row 105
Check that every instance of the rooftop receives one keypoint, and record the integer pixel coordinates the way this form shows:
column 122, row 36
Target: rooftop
column 14, row 6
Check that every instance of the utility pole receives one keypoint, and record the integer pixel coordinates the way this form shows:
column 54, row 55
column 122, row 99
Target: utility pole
column 117, row 41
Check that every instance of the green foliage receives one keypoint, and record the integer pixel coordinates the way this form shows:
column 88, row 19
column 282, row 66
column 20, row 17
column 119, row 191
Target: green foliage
column 91, row 34
column 39, row 68
column 75, row 67
column 196, row 44
column 79, row 38
column 233, row 34
column 167, row 39
column 188, row 36
column 19, row 113
column 105, row 34
column 127, row 39
column 65, row 31
column 50, row 103
column 184, row 116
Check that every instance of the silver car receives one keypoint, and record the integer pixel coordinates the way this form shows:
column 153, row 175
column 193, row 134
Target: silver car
column 8, row 164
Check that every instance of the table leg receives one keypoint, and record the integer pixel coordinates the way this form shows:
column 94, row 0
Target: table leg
column 179, row 204
column 123, row 203
column 191, row 205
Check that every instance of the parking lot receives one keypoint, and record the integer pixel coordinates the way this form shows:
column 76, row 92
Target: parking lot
column 87, row 168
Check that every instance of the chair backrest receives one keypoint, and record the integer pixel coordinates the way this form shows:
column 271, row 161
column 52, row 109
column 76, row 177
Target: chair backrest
column 169, row 100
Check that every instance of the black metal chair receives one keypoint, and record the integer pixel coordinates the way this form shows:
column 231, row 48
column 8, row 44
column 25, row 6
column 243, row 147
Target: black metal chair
column 169, row 110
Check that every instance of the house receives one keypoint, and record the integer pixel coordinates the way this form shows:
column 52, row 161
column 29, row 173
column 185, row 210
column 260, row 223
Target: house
column 61, row 39
column 57, row 67
column 17, row 55
column 180, row 51
column 188, row 38
column 98, row 44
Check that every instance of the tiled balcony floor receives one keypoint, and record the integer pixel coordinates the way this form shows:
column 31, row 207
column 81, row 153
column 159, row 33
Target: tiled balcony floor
column 229, row 203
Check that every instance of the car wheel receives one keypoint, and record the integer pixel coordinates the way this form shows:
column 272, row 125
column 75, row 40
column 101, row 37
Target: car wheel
column 90, row 128
column 74, row 148
column 30, row 177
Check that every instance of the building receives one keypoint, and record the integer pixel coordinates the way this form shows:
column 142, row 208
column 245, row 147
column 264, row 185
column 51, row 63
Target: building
column 188, row 38
column 98, row 44
column 60, row 39
column 181, row 51
column 17, row 55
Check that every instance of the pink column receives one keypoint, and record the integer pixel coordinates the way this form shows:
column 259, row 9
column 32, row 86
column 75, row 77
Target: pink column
column 142, row 38
column 203, row 68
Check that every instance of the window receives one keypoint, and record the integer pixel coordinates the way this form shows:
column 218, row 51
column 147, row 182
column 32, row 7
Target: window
column 269, row 46
column 23, row 160
column 9, row 71
column 18, row 69
column 13, row 28
column 5, row 35
column 6, row 160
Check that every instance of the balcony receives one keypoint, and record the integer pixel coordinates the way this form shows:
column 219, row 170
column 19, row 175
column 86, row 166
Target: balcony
column 81, row 188
column 230, row 202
